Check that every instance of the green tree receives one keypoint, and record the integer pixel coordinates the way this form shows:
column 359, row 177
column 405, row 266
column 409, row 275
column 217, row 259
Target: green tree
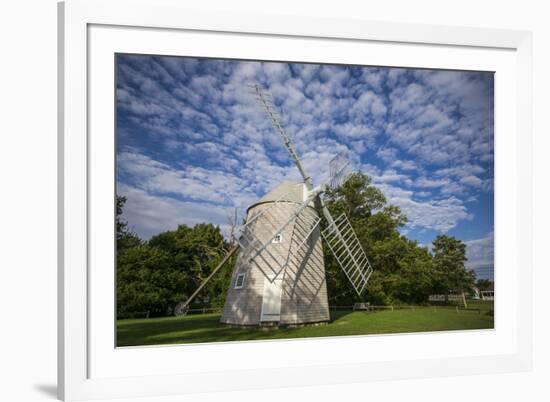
column 125, row 238
column 403, row 271
column 416, row 274
column 383, row 224
column 147, row 282
column 153, row 276
column 196, row 251
column 449, row 259
column 485, row 284
column 357, row 197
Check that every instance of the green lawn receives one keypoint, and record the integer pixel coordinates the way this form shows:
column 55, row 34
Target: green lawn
column 207, row 328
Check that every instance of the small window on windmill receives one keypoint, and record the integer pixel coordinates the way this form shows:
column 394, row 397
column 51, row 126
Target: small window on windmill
column 278, row 238
column 239, row 282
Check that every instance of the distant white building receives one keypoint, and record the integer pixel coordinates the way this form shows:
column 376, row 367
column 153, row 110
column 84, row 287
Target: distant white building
column 487, row 295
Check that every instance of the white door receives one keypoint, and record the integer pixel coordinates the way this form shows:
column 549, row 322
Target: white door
column 271, row 302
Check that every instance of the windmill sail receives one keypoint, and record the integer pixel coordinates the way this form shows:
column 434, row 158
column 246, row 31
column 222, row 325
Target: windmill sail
column 346, row 248
column 338, row 169
column 339, row 234
column 265, row 100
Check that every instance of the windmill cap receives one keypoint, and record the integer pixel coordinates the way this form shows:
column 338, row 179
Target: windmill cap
column 288, row 191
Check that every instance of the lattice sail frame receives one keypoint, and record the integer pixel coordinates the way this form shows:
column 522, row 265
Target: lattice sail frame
column 338, row 171
column 339, row 235
column 346, row 248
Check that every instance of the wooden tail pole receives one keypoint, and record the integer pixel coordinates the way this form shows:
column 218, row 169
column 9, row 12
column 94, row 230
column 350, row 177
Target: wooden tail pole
column 218, row 267
column 464, row 300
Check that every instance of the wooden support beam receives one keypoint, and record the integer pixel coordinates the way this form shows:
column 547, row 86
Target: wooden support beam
column 203, row 284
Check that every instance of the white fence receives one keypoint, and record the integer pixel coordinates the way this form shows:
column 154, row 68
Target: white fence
column 487, row 295
column 441, row 298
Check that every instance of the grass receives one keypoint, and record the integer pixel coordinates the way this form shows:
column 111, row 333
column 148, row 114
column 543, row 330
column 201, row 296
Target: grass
column 207, row 328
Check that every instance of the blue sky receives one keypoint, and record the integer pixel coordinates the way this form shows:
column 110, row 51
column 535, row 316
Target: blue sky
column 192, row 143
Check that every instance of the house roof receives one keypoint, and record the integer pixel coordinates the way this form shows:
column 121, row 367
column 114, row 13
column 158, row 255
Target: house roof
column 286, row 191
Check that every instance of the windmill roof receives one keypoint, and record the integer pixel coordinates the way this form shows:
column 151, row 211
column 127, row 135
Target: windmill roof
column 286, row 191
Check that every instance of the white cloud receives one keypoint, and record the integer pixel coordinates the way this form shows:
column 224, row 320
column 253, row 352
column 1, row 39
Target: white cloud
column 369, row 102
column 389, row 176
column 387, row 154
column 404, row 164
column 460, row 171
column 439, row 215
column 424, row 182
column 191, row 182
column 472, row 181
column 149, row 215
column 442, row 117
column 452, row 188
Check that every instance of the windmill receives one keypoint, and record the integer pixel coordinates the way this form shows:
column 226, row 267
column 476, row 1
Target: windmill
column 279, row 276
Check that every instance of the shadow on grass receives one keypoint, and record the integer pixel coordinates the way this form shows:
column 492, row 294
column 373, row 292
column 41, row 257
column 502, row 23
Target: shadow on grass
column 336, row 314
column 207, row 328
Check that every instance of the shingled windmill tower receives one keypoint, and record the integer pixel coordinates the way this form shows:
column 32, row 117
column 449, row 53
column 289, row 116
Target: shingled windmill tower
column 285, row 282
column 279, row 277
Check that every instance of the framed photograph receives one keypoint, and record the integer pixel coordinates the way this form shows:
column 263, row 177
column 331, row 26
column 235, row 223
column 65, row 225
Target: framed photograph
column 251, row 195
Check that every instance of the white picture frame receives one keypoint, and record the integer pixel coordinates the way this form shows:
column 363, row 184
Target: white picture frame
column 89, row 365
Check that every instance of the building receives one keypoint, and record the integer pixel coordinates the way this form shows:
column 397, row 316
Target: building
column 285, row 284
column 487, row 295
